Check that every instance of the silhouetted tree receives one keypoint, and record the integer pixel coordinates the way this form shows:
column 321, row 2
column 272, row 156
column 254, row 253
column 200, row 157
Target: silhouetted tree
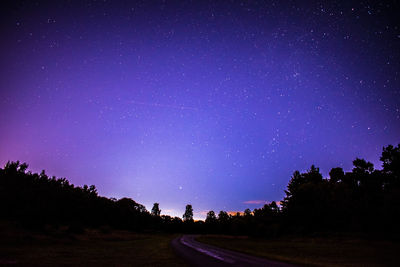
column 188, row 215
column 223, row 216
column 292, row 189
column 361, row 166
column 211, row 217
column 391, row 164
column 155, row 211
column 247, row 213
column 306, row 200
column 336, row 175
column 274, row 207
column 223, row 221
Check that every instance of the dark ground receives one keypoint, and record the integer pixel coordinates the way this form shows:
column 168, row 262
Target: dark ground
column 316, row 251
column 57, row 247
column 200, row 254
column 104, row 247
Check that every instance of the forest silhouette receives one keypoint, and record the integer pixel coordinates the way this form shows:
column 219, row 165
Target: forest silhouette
column 364, row 200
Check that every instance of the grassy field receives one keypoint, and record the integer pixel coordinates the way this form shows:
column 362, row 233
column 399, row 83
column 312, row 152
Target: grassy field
column 92, row 248
column 327, row 251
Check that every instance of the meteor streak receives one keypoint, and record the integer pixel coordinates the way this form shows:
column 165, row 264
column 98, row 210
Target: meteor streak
column 162, row 105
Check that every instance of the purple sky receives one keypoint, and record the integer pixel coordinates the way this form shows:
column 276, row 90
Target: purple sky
column 213, row 104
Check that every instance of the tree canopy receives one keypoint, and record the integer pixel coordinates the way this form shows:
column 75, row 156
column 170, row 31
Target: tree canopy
column 188, row 215
column 362, row 200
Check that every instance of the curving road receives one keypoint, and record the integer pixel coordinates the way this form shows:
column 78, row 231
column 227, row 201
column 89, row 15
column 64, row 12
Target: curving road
column 200, row 254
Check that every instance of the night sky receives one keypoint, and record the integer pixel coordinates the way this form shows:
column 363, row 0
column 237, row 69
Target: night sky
column 209, row 103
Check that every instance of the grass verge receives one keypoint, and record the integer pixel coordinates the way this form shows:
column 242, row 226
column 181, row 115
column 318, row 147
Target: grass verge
column 322, row 251
column 92, row 248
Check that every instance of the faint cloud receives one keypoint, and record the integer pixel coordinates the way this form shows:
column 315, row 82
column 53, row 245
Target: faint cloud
column 255, row 202
column 203, row 212
column 169, row 211
column 258, row 202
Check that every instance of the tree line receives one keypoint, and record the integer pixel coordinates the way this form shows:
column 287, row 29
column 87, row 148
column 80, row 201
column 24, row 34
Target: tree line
column 35, row 200
column 362, row 200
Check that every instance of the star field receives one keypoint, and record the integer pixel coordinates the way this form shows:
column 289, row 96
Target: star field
column 213, row 103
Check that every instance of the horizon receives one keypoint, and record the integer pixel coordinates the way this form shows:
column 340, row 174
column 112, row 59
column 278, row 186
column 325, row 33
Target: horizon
column 199, row 215
column 209, row 104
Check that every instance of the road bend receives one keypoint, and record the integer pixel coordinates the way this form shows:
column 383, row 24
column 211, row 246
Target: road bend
column 200, row 254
